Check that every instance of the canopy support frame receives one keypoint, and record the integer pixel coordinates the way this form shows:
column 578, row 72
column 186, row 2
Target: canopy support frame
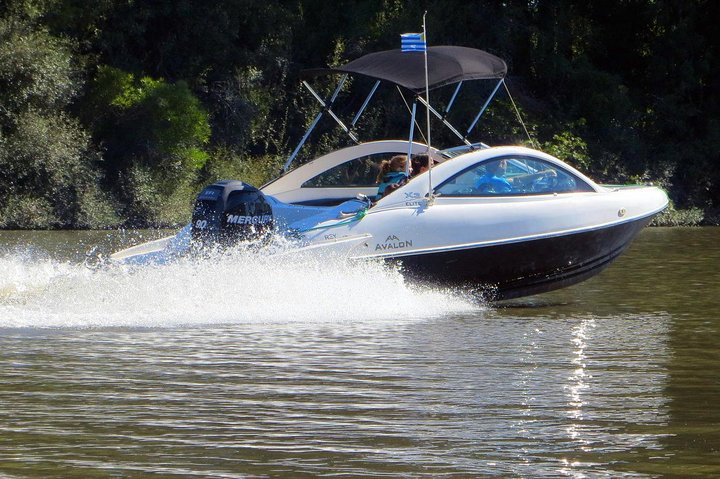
column 452, row 99
column 365, row 104
column 484, row 107
column 381, row 67
column 444, row 120
column 412, row 132
column 326, row 108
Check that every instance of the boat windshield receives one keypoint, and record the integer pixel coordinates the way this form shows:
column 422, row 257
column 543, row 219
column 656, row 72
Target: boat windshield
column 512, row 175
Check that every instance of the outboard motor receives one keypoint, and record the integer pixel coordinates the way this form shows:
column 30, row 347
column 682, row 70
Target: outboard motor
column 228, row 212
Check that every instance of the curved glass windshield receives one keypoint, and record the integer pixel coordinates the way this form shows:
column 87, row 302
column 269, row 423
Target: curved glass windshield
column 361, row 171
column 512, row 175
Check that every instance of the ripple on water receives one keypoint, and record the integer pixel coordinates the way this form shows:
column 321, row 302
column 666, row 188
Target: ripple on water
column 299, row 367
column 452, row 395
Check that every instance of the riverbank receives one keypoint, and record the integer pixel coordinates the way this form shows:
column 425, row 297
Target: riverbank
column 686, row 217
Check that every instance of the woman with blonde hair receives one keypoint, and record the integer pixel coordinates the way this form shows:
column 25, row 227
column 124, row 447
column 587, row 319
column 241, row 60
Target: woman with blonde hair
column 392, row 175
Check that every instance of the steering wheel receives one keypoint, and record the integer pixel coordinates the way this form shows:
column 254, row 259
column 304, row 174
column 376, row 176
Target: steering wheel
column 544, row 183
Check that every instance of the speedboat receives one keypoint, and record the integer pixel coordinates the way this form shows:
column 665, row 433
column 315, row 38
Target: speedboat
column 544, row 225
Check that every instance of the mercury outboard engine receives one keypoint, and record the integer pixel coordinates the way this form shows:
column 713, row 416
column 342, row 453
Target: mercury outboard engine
column 228, row 212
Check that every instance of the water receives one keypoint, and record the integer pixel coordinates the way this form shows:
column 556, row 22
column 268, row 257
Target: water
column 245, row 367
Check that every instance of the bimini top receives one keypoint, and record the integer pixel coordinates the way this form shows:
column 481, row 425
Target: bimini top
column 446, row 65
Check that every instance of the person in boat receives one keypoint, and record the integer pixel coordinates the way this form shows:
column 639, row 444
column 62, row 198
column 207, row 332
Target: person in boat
column 392, row 175
column 419, row 164
column 494, row 178
column 495, row 181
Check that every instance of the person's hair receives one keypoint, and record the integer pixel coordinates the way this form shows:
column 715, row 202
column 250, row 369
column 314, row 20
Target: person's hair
column 396, row 163
column 419, row 161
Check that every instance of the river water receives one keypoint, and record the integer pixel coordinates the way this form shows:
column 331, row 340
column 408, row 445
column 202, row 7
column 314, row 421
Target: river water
column 244, row 367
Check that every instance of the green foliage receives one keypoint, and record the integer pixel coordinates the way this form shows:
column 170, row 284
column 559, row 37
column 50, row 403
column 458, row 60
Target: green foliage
column 500, row 125
column 175, row 93
column 48, row 167
column 245, row 114
column 147, row 206
column 155, row 134
column 569, row 148
column 674, row 217
column 36, row 69
column 50, row 175
column 26, row 212
column 226, row 164
column 161, row 124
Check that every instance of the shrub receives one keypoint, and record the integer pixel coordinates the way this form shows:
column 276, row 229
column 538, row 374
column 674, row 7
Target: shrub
column 26, row 212
column 49, row 158
column 675, row 217
column 36, row 69
column 149, row 122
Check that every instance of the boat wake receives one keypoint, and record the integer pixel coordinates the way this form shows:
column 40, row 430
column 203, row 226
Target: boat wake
column 222, row 288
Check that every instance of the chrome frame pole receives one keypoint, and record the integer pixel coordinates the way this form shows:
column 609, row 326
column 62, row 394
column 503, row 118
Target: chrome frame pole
column 482, row 110
column 447, row 123
column 326, row 107
column 412, row 132
column 365, row 104
column 452, row 99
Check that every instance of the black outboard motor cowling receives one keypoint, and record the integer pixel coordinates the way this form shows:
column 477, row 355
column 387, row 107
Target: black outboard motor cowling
column 228, row 212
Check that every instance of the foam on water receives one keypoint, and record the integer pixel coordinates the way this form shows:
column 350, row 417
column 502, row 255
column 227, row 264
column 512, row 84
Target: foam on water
column 37, row 291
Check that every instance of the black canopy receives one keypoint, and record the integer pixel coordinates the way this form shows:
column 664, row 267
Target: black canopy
column 446, row 65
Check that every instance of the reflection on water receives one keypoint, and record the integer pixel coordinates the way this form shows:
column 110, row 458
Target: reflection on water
column 458, row 395
column 306, row 369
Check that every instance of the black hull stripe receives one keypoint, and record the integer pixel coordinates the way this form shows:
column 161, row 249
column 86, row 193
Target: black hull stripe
column 518, row 269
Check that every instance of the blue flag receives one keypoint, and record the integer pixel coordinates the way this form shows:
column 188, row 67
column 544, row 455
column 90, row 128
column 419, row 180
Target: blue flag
column 412, row 42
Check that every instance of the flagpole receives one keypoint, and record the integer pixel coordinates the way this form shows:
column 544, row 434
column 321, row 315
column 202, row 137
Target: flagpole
column 427, row 111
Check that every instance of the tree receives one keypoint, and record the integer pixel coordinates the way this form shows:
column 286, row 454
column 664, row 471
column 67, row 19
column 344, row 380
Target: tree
column 48, row 168
column 154, row 134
